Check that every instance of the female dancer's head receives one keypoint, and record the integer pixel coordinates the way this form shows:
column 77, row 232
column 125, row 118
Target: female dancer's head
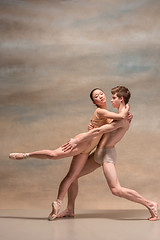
column 98, row 97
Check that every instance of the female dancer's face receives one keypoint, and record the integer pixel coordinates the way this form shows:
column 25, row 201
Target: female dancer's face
column 99, row 98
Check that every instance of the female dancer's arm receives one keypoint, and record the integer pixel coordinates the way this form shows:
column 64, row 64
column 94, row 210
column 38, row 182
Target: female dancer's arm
column 104, row 113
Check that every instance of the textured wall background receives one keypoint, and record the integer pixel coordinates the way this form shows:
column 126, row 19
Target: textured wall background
column 52, row 54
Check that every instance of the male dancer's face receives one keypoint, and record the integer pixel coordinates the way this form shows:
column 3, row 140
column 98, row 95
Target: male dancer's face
column 116, row 101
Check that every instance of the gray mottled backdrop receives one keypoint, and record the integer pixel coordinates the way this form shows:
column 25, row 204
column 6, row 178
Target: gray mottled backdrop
column 53, row 52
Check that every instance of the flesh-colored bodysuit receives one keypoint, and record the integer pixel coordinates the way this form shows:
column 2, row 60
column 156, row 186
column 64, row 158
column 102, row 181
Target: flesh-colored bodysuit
column 96, row 122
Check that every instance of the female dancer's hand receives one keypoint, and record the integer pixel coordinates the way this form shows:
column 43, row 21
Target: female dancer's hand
column 71, row 144
column 130, row 116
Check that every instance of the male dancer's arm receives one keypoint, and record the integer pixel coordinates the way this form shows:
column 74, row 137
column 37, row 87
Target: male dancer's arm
column 73, row 142
column 109, row 127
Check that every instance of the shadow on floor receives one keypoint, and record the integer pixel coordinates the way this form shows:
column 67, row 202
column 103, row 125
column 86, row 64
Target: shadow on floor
column 107, row 214
column 117, row 214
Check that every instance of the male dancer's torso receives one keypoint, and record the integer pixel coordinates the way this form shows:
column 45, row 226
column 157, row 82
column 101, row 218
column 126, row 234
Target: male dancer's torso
column 108, row 140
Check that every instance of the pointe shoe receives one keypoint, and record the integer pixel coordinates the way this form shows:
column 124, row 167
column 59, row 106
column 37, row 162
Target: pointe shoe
column 153, row 211
column 56, row 205
column 18, row 155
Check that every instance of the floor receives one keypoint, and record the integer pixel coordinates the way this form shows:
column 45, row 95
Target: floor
column 98, row 225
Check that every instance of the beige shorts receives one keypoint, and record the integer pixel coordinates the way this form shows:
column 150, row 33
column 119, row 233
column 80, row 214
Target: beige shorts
column 103, row 155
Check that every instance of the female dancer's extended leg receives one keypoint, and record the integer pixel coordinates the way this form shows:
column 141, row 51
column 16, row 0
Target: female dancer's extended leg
column 117, row 190
column 52, row 154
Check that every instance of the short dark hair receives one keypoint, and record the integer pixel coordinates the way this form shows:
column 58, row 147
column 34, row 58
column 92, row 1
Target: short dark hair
column 122, row 92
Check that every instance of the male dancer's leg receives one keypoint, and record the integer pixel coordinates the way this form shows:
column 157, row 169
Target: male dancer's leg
column 115, row 187
column 89, row 167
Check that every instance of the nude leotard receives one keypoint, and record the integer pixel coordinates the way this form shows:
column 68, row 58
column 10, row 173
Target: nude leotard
column 97, row 122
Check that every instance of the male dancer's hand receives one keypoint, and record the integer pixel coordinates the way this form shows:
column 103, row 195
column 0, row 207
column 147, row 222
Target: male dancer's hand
column 71, row 144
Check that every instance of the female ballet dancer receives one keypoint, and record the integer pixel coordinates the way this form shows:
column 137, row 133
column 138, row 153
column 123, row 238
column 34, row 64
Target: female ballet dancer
column 82, row 150
column 100, row 117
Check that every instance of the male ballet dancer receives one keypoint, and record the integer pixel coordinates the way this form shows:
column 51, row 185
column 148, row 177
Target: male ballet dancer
column 105, row 155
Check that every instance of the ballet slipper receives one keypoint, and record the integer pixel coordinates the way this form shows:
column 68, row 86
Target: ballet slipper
column 18, row 155
column 56, row 205
column 153, row 211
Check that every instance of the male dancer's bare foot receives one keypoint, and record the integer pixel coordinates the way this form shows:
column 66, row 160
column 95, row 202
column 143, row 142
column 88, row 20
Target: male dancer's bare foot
column 18, row 156
column 66, row 213
column 153, row 208
column 56, row 205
